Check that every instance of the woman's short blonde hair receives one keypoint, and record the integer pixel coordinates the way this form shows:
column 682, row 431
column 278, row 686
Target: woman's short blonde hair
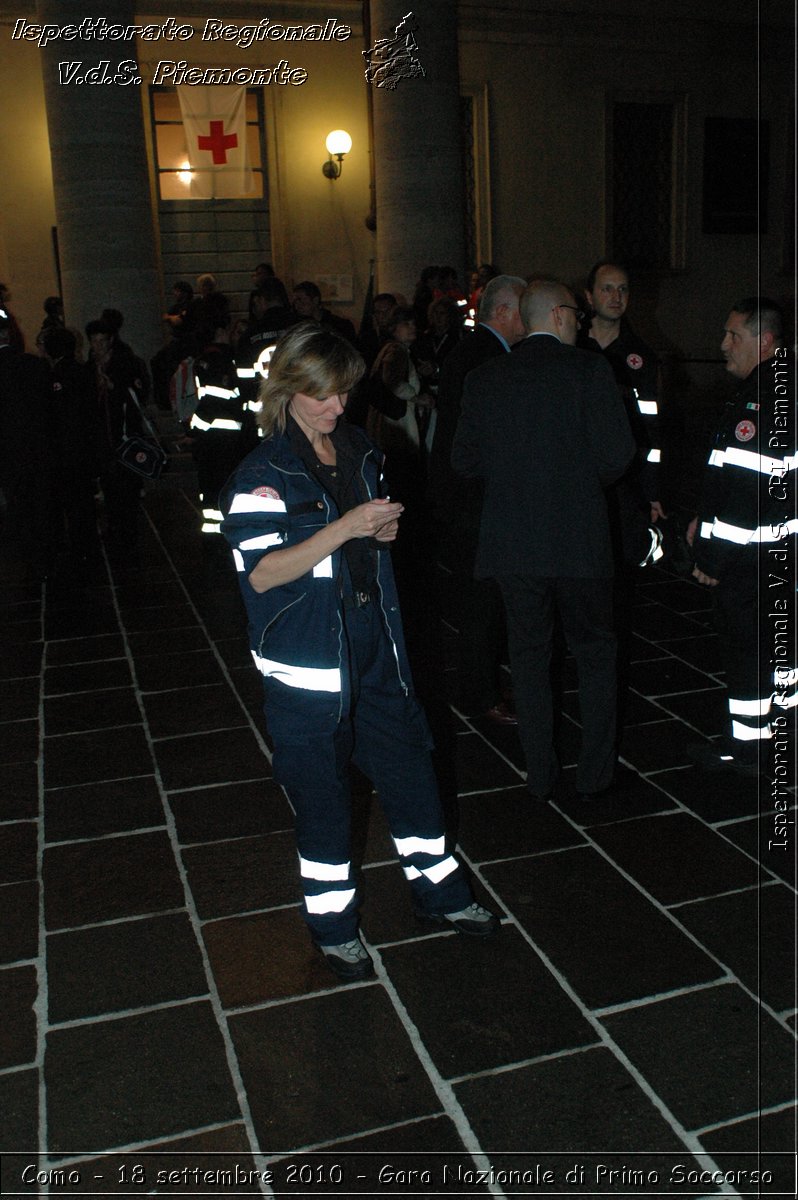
column 311, row 360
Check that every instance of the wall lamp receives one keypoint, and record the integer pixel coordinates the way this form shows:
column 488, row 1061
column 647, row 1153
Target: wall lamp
column 339, row 143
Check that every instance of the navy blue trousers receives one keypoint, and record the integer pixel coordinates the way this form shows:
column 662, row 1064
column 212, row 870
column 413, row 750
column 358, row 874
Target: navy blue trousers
column 387, row 737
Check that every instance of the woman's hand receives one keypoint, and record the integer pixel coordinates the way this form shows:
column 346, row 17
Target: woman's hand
column 376, row 518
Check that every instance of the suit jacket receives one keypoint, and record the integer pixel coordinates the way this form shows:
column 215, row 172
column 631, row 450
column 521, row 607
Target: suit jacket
column 546, row 430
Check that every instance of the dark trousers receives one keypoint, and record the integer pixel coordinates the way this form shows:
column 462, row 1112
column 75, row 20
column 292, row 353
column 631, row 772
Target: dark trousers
column 585, row 609
column 482, row 642
column 387, row 737
column 121, row 490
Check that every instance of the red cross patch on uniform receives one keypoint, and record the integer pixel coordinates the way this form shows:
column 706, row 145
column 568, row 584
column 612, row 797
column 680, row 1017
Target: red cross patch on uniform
column 744, row 431
column 266, row 491
column 634, row 361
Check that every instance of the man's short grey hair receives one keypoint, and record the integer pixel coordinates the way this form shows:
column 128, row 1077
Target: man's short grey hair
column 502, row 289
column 539, row 298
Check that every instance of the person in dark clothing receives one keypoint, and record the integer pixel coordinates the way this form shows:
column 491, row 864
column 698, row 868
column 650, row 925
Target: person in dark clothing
column 25, row 476
column 444, row 331
column 744, row 538
column 308, row 307
column 222, row 430
column 179, row 322
column 374, row 334
column 310, row 534
column 545, row 428
column 118, row 383
column 53, row 313
column 73, row 433
column 269, row 319
column 456, row 505
column 635, row 500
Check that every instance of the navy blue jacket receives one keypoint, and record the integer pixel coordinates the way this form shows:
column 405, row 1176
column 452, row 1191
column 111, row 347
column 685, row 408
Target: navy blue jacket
column 296, row 630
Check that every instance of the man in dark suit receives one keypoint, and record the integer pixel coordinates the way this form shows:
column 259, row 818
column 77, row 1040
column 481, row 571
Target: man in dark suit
column 546, row 430
column 457, row 506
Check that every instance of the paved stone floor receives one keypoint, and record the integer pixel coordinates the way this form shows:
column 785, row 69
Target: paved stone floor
column 632, row 1025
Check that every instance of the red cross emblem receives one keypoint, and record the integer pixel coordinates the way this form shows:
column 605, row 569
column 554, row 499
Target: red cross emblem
column 218, row 142
column 744, row 431
column 632, row 360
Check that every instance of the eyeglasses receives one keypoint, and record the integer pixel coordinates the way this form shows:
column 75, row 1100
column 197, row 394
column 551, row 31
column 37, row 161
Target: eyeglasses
column 580, row 316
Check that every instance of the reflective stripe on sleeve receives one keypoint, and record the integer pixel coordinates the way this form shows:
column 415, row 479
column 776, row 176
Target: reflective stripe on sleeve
column 648, row 407
column 212, row 514
column 745, row 537
column 216, row 423
column 329, row 902
column 261, row 543
column 654, row 456
column 210, row 389
column 326, row 872
column 245, row 372
column 310, row 679
column 238, row 559
column 246, row 502
column 411, row 873
column 417, row 845
column 749, row 460
column 323, row 569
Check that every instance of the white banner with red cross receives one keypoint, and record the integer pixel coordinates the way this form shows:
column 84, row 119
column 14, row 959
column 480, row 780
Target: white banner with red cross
column 215, row 122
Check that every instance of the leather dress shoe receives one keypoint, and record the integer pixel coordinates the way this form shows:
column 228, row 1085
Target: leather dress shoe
column 501, row 714
column 606, row 793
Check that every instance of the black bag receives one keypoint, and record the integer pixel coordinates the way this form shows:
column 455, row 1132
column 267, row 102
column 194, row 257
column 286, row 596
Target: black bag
column 142, row 454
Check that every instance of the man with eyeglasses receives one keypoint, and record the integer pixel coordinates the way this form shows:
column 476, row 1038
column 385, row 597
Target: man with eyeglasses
column 545, row 429
column 635, row 499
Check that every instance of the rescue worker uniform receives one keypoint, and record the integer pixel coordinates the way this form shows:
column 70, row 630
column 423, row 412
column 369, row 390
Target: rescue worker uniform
column 636, row 370
column 746, row 539
column 337, row 683
column 218, row 427
column 254, row 350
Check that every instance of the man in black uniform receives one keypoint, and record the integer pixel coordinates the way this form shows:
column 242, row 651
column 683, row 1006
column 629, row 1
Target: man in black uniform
column 744, row 537
column 545, row 429
column 270, row 319
column 635, row 500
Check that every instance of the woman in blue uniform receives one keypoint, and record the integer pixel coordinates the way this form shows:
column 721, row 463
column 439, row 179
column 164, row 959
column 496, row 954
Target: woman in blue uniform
column 311, row 534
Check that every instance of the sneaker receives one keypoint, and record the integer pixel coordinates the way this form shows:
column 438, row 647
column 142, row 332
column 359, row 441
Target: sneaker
column 349, row 960
column 474, row 920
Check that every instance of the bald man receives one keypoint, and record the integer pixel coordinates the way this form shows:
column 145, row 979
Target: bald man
column 545, row 429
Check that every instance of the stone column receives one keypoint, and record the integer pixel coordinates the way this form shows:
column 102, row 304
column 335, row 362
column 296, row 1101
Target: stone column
column 419, row 171
column 106, row 235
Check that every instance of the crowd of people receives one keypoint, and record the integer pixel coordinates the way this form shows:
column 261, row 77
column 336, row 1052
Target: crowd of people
column 510, row 431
